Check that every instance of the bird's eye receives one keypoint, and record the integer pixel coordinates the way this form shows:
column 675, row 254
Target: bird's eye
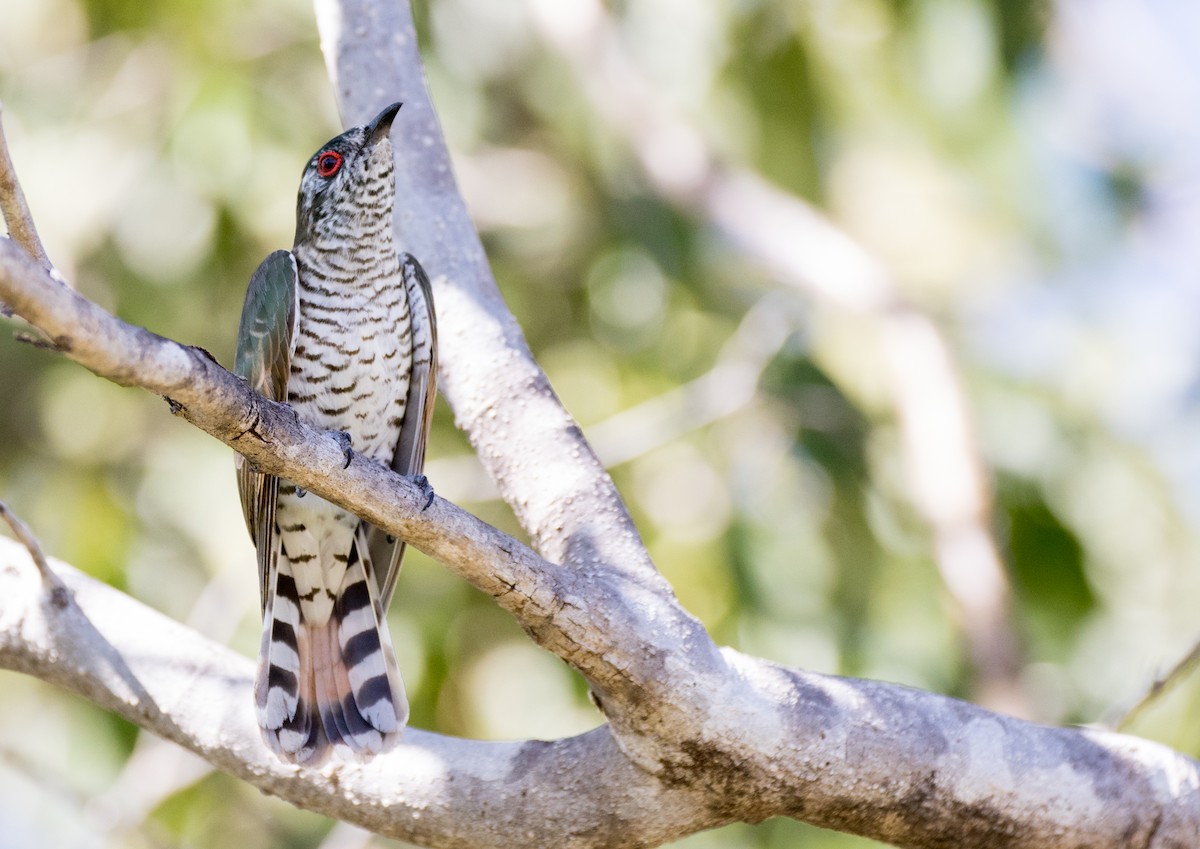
column 328, row 163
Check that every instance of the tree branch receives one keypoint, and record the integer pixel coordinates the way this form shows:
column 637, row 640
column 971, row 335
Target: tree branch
column 15, row 209
column 271, row 436
column 697, row 736
column 810, row 254
column 887, row 762
column 25, row 536
column 502, row 399
column 432, row 790
column 1160, row 685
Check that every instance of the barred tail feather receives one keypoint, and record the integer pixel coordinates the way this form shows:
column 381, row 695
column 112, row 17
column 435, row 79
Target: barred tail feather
column 341, row 719
column 369, row 689
column 283, row 693
column 330, row 684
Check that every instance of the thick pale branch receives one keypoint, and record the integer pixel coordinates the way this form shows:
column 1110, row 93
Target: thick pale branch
column 433, row 790
column 807, row 251
column 900, row 765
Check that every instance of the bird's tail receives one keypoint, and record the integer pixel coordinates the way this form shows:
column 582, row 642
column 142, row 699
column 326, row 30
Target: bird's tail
column 334, row 683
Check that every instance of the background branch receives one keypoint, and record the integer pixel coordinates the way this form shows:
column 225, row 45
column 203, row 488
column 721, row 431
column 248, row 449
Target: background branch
column 809, row 253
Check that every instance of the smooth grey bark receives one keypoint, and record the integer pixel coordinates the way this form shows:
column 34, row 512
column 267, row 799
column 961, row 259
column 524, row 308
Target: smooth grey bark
column 890, row 762
column 697, row 736
column 805, row 252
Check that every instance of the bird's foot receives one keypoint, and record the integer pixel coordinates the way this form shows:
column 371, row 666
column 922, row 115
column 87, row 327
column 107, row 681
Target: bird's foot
column 343, row 440
column 426, row 487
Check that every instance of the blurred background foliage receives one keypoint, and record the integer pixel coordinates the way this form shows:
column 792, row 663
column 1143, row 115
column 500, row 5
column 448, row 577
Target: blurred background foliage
column 1026, row 169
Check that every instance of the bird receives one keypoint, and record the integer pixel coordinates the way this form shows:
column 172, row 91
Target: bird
column 342, row 328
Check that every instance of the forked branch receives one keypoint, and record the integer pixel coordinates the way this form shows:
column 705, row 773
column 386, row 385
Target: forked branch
column 696, row 736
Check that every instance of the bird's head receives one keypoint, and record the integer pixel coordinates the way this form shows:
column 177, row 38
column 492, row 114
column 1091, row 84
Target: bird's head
column 348, row 184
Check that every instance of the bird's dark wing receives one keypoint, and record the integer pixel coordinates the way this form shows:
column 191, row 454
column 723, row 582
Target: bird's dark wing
column 265, row 342
column 409, row 458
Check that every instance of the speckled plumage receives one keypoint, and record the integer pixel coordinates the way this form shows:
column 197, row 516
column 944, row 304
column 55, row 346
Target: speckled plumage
column 342, row 328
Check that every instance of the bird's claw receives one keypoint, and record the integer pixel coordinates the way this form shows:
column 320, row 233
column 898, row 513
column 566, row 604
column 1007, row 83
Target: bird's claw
column 343, row 440
column 427, row 488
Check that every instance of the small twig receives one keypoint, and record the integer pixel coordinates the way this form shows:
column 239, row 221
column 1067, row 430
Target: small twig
column 14, row 208
column 1181, row 670
column 98, row 817
column 19, row 221
column 59, row 594
column 39, row 342
column 37, row 773
column 730, row 385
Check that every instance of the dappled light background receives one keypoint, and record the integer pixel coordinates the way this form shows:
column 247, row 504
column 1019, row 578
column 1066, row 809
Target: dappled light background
column 1027, row 172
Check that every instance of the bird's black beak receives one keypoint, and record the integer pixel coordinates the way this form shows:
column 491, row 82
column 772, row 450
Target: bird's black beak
column 381, row 125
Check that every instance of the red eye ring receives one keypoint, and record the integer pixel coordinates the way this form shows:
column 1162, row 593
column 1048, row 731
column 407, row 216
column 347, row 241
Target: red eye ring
column 329, row 162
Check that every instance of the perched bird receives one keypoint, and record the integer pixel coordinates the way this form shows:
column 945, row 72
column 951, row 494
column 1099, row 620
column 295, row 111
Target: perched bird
column 341, row 328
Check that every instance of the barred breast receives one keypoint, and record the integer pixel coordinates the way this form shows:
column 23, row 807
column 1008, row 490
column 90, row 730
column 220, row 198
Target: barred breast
column 353, row 357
